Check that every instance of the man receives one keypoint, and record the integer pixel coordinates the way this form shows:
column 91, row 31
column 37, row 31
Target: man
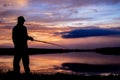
column 20, row 37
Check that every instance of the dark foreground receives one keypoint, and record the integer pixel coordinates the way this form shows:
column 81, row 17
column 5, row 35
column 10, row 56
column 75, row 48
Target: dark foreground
column 58, row 76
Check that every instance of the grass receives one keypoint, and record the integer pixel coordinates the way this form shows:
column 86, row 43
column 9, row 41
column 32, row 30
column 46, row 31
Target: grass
column 58, row 76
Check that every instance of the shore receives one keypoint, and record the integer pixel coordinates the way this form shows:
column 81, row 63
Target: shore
column 33, row 51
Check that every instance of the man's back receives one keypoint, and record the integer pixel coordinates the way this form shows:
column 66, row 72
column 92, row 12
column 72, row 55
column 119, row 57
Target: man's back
column 20, row 36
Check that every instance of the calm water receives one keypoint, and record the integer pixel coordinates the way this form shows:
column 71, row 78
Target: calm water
column 52, row 63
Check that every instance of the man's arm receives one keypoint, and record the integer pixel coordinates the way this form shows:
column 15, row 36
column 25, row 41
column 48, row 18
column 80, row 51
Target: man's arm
column 28, row 37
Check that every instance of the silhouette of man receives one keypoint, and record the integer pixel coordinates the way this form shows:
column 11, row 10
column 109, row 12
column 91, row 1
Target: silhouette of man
column 20, row 37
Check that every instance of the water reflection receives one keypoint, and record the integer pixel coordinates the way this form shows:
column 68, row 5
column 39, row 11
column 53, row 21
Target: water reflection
column 51, row 63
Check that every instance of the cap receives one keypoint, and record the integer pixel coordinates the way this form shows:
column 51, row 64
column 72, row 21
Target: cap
column 21, row 18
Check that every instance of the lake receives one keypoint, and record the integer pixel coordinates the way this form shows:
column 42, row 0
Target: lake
column 74, row 62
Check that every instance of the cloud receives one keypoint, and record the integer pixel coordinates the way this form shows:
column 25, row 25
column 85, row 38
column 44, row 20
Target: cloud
column 89, row 32
column 94, row 2
column 73, row 3
column 57, row 11
column 13, row 4
column 9, row 13
column 77, row 1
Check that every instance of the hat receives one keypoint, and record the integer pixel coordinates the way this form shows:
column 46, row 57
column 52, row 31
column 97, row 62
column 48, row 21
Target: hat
column 21, row 18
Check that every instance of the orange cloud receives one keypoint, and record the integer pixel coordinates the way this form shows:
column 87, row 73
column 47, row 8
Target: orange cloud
column 13, row 4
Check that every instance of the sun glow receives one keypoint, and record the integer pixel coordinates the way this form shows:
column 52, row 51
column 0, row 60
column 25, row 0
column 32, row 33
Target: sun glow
column 15, row 4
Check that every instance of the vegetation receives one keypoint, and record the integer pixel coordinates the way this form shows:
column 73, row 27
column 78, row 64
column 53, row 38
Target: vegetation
column 58, row 76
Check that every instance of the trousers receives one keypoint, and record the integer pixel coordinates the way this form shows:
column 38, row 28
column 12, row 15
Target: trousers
column 21, row 55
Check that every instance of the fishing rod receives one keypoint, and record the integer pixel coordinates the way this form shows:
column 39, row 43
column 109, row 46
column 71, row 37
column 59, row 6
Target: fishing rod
column 50, row 43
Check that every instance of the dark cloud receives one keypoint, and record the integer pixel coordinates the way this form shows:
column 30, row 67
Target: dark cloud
column 58, row 8
column 1, row 21
column 7, row 27
column 77, row 1
column 94, row 2
column 10, row 13
column 52, row 1
column 89, row 32
column 117, row 18
column 116, row 28
column 73, row 3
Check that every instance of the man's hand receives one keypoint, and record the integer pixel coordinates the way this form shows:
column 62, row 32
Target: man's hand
column 30, row 38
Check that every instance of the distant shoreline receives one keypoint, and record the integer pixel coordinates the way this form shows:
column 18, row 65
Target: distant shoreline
column 33, row 51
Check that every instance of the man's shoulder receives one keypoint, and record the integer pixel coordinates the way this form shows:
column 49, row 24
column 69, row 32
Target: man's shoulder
column 14, row 27
column 24, row 27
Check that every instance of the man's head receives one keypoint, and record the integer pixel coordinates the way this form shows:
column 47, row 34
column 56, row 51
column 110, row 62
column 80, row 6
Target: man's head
column 21, row 20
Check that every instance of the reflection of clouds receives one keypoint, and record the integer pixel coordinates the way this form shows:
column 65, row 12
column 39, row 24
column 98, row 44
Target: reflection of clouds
column 6, row 63
column 43, row 63
column 52, row 62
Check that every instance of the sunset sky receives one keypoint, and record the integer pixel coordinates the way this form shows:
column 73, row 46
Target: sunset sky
column 76, row 23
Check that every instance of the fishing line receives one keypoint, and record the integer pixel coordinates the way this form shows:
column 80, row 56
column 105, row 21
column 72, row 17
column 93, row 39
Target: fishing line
column 50, row 43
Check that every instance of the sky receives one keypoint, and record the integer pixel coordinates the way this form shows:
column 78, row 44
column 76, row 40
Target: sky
column 62, row 21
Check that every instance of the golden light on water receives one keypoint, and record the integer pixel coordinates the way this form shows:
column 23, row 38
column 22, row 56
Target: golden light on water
column 52, row 63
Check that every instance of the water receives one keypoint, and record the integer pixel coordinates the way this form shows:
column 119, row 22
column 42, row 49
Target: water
column 52, row 63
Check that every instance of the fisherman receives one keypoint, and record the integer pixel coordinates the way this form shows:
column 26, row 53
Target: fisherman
column 20, row 38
